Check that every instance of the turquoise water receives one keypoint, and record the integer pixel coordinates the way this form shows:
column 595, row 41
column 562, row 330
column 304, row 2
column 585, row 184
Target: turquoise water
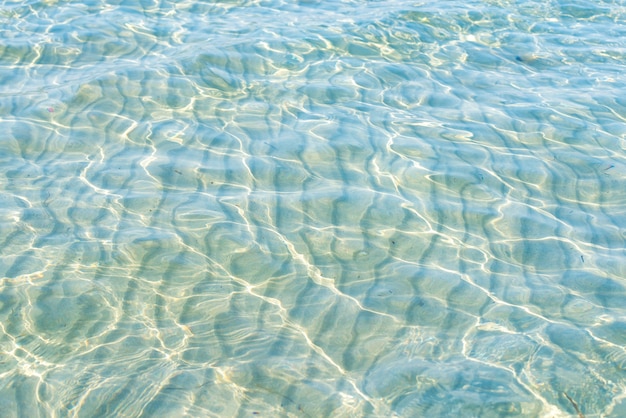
column 313, row 209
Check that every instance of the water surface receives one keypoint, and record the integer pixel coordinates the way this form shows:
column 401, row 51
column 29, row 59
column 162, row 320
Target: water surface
column 346, row 208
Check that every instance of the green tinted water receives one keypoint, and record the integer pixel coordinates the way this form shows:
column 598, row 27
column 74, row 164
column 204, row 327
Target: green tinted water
column 312, row 209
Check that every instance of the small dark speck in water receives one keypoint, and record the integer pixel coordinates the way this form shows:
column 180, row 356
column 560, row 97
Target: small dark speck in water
column 393, row 242
column 270, row 145
column 518, row 58
column 178, row 172
column 582, row 258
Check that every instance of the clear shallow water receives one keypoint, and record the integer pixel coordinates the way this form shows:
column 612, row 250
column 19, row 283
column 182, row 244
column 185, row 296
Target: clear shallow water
column 312, row 209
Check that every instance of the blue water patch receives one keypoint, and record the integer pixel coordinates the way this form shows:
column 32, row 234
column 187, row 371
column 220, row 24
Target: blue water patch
column 313, row 208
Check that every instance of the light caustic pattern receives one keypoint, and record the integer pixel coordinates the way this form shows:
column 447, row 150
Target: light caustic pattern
column 310, row 210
